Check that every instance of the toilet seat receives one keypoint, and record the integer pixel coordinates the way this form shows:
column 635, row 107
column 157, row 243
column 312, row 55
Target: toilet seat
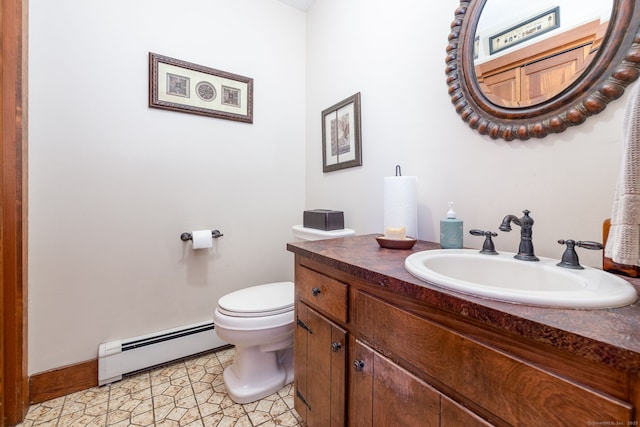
column 258, row 301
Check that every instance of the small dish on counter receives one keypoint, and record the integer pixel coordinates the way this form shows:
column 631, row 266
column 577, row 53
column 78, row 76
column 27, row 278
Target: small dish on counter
column 406, row 243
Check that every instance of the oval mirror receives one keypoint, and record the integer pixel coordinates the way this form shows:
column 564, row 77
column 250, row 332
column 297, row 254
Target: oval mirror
column 521, row 71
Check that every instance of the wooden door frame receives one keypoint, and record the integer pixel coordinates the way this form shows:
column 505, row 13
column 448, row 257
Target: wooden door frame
column 14, row 383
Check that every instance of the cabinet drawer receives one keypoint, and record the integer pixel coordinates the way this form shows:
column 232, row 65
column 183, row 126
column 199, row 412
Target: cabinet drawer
column 511, row 389
column 322, row 292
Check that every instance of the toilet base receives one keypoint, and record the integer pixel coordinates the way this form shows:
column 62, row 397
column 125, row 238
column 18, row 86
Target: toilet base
column 255, row 374
column 286, row 360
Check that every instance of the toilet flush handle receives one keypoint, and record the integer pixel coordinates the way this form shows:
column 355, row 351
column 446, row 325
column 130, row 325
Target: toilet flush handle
column 315, row 291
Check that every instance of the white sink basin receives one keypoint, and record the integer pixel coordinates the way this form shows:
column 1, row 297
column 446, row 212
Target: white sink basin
column 503, row 278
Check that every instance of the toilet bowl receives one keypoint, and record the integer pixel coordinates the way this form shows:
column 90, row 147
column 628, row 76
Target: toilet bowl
column 259, row 322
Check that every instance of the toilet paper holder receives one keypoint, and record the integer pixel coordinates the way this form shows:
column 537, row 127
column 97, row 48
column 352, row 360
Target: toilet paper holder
column 187, row 236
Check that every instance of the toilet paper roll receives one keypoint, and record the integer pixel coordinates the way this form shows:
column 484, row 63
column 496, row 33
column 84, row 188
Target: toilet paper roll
column 401, row 203
column 202, row 239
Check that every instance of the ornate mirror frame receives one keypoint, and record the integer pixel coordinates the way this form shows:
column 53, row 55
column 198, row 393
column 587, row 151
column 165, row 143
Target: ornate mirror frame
column 605, row 79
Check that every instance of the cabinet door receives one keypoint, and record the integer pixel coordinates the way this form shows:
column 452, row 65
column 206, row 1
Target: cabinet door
column 320, row 369
column 360, row 385
column 544, row 79
column 503, row 88
column 454, row 415
column 395, row 397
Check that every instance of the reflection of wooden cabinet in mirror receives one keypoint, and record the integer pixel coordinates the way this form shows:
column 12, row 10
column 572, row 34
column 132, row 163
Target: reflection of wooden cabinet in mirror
column 538, row 72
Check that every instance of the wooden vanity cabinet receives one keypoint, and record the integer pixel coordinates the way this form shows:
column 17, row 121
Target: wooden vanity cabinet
column 403, row 362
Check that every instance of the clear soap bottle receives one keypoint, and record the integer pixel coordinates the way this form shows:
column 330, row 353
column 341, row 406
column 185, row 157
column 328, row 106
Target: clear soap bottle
column 451, row 230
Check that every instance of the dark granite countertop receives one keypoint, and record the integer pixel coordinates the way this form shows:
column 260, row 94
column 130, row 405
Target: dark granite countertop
column 610, row 336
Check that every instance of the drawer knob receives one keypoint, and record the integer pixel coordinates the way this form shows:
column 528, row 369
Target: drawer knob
column 358, row 365
column 335, row 347
column 315, row 291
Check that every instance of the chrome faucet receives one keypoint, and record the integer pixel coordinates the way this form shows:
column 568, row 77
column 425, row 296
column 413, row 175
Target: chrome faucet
column 525, row 251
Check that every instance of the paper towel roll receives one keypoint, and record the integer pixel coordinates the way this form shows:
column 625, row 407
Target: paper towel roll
column 202, row 239
column 401, row 203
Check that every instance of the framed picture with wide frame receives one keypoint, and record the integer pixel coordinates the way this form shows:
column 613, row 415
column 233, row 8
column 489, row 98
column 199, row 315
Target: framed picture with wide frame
column 341, row 140
column 190, row 88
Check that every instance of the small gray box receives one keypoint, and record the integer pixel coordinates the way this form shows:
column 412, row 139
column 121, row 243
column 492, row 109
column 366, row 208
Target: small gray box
column 323, row 219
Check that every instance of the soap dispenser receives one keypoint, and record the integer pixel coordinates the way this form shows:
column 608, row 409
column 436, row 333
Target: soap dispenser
column 451, row 230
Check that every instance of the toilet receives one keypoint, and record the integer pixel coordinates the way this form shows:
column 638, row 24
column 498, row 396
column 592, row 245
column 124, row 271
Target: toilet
column 259, row 322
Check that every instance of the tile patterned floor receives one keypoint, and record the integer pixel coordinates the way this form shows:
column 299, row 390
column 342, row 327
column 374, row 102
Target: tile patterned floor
column 187, row 393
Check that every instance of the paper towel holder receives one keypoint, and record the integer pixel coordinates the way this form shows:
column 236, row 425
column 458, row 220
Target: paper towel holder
column 185, row 237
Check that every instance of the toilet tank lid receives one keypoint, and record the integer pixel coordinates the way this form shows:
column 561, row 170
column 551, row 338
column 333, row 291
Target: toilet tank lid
column 307, row 233
column 268, row 298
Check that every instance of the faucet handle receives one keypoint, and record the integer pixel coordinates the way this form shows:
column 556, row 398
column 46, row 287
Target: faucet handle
column 570, row 257
column 488, row 248
column 587, row 244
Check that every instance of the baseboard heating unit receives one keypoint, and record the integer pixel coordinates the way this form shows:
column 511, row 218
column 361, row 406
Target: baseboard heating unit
column 119, row 357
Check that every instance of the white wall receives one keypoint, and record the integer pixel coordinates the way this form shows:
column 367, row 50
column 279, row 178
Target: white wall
column 394, row 54
column 113, row 183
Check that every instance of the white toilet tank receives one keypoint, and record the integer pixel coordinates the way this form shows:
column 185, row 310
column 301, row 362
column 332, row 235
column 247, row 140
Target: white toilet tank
column 306, row 233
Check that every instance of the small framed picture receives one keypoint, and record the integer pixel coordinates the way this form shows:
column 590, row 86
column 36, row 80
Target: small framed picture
column 190, row 88
column 341, row 141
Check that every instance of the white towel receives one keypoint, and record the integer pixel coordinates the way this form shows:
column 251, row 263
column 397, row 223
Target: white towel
column 623, row 244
